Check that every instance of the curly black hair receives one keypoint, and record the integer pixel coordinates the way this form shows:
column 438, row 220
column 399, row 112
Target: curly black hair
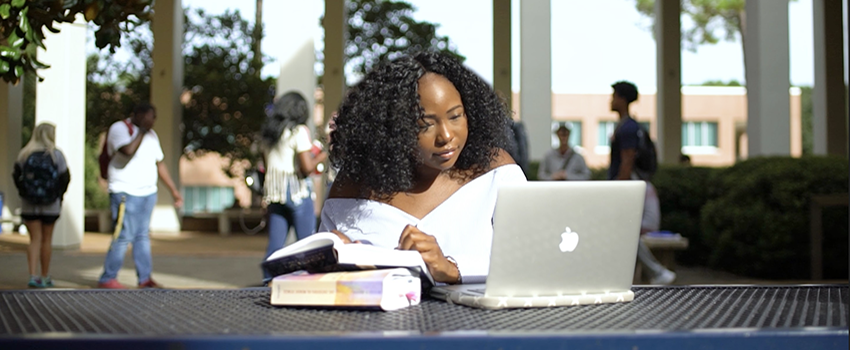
column 290, row 110
column 375, row 142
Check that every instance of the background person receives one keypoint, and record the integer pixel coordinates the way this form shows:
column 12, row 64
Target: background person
column 135, row 166
column 563, row 163
column 287, row 190
column 623, row 153
column 41, row 175
column 420, row 147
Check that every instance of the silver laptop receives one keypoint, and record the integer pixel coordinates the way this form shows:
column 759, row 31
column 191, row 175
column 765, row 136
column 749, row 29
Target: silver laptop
column 559, row 243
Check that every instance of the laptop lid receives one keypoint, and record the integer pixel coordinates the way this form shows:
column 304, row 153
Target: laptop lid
column 565, row 237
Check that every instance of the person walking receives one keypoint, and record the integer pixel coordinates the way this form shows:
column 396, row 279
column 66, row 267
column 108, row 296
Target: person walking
column 41, row 175
column 624, row 144
column 135, row 166
column 289, row 159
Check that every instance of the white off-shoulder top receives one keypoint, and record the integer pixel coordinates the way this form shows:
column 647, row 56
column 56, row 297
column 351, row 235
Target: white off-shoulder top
column 462, row 224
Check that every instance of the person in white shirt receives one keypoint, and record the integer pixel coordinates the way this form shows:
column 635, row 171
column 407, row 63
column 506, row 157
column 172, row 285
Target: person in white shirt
column 135, row 166
column 287, row 189
column 420, row 147
column 563, row 163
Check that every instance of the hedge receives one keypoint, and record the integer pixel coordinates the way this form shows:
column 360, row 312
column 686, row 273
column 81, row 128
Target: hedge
column 756, row 221
column 752, row 218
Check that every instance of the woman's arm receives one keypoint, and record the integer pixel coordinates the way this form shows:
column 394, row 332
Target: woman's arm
column 442, row 269
column 307, row 162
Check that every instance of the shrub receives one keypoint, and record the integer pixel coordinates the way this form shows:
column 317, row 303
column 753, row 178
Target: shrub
column 682, row 192
column 95, row 195
column 756, row 220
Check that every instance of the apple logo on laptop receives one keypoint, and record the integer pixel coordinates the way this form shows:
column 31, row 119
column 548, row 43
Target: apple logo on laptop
column 569, row 240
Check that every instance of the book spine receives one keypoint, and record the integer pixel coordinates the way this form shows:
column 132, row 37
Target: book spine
column 364, row 293
column 309, row 260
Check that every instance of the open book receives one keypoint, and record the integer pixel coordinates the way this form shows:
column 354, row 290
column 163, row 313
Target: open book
column 325, row 252
column 387, row 289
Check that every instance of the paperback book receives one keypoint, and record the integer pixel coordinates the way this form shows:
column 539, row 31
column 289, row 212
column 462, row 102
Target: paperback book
column 385, row 289
column 325, row 252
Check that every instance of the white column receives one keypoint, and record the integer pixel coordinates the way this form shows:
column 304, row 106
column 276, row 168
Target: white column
column 502, row 49
column 11, row 112
column 829, row 124
column 166, row 86
column 61, row 100
column 333, row 80
column 297, row 55
column 768, row 101
column 536, row 74
column 669, row 80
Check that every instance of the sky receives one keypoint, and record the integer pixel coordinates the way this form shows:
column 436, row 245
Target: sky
column 594, row 43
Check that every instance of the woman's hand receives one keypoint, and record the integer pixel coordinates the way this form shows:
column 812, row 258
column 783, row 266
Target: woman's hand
column 341, row 236
column 441, row 269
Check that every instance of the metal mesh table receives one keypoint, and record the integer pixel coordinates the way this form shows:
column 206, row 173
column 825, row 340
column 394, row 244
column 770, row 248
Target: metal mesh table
column 811, row 312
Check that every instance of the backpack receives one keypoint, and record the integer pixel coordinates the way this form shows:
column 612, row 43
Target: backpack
column 104, row 157
column 38, row 180
column 646, row 162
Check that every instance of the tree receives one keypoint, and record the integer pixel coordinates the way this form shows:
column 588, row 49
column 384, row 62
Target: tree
column 22, row 24
column 225, row 97
column 709, row 17
column 380, row 30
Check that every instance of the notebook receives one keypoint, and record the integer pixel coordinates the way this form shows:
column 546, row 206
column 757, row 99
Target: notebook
column 559, row 243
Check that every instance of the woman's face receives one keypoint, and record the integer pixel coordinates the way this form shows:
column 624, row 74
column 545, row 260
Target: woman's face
column 443, row 129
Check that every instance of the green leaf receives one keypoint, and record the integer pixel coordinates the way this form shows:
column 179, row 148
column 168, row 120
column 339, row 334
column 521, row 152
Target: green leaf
column 4, row 10
column 39, row 65
column 18, row 3
column 15, row 41
column 4, row 67
column 19, row 71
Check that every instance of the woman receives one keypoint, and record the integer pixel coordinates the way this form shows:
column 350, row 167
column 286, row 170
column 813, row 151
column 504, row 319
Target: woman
column 420, row 147
column 287, row 190
column 42, row 177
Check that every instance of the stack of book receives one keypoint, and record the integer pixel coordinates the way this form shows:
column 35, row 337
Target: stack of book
column 320, row 270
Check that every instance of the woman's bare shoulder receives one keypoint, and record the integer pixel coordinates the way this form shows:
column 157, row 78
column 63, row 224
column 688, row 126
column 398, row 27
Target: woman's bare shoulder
column 502, row 158
column 344, row 189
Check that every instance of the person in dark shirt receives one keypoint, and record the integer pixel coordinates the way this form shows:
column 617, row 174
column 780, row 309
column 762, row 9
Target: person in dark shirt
column 624, row 145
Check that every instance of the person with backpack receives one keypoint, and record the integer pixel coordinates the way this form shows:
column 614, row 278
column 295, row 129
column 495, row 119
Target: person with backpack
column 41, row 176
column 290, row 158
column 135, row 165
column 633, row 157
column 563, row 163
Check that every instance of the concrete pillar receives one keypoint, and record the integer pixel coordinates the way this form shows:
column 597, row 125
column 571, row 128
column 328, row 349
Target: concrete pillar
column 768, row 102
column 502, row 49
column 333, row 80
column 61, row 100
column 166, row 86
column 669, row 81
column 829, row 94
column 298, row 57
column 536, row 74
column 11, row 113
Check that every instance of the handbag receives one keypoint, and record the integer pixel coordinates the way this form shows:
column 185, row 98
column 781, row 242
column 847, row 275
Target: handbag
column 254, row 179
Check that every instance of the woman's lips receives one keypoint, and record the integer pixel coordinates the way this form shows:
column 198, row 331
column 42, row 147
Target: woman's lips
column 447, row 154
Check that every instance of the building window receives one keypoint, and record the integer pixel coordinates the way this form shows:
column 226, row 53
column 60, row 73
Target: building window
column 575, row 133
column 699, row 137
column 606, row 131
column 207, row 199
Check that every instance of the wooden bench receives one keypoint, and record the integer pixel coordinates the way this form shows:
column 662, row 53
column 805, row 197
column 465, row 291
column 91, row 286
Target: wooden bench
column 16, row 222
column 104, row 218
column 664, row 250
column 226, row 217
